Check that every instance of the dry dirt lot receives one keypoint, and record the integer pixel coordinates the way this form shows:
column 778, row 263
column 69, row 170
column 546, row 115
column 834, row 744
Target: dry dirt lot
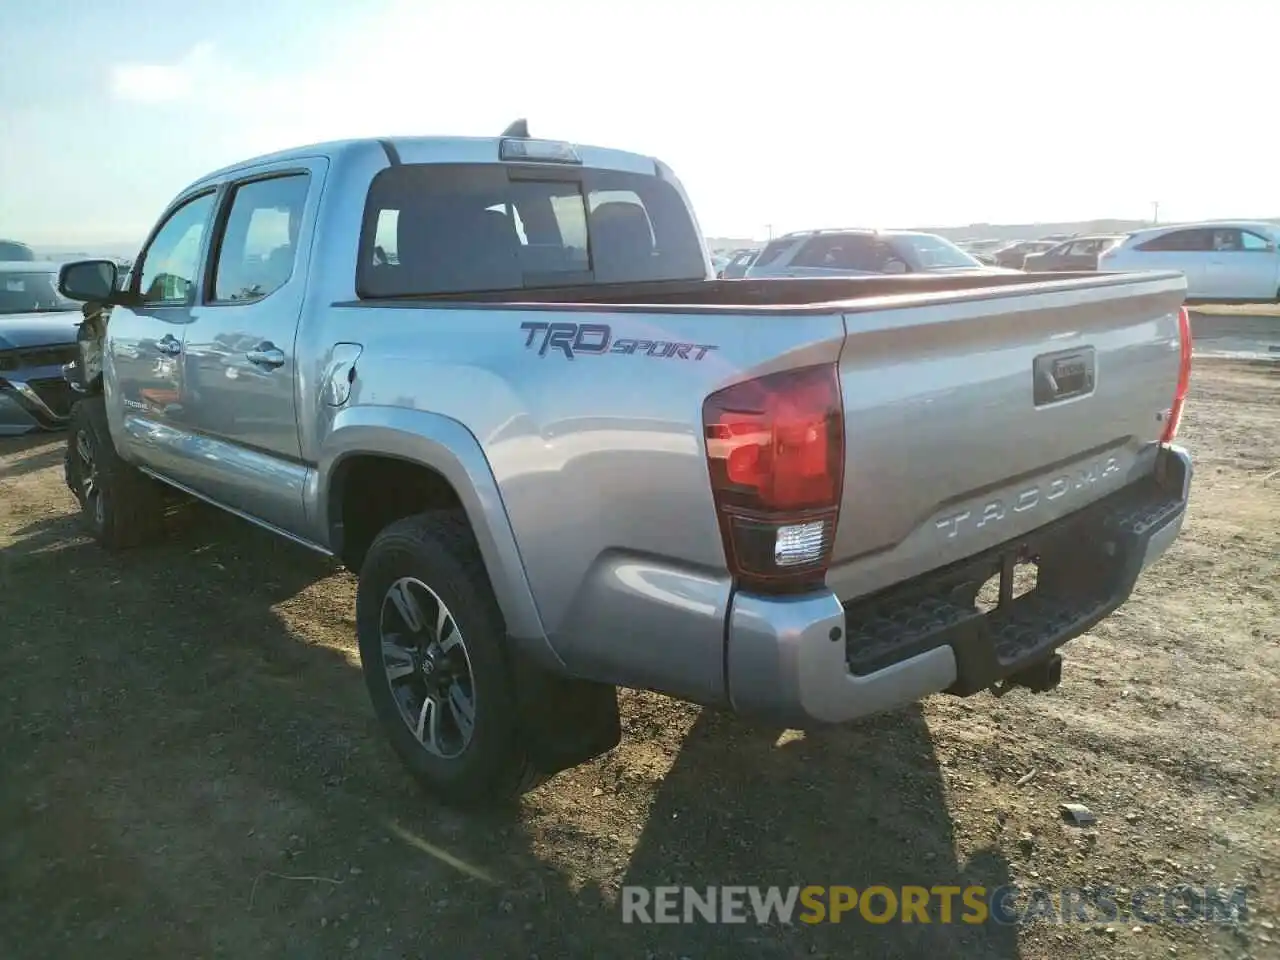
column 189, row 767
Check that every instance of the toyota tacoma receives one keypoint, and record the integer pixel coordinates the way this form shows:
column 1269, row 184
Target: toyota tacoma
column 497, row 379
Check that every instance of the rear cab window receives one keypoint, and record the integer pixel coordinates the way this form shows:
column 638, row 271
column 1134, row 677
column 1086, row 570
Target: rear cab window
column 483, row 227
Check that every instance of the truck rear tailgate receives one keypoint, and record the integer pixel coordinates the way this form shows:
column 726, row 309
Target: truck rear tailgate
column 974, row 418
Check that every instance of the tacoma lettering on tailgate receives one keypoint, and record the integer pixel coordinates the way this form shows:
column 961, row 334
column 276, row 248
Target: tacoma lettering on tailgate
column 998, row 509
column 596, row 338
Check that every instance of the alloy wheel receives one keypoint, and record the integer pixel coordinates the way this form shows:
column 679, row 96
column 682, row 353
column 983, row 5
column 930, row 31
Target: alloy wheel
column 428, row 668
column 90, row 490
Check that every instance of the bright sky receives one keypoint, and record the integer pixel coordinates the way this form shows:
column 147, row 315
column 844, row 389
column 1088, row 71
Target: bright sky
column 796, row 114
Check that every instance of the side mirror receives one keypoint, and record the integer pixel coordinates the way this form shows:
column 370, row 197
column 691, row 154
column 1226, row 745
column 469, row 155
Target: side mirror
column 894, row 266
column 87, row 280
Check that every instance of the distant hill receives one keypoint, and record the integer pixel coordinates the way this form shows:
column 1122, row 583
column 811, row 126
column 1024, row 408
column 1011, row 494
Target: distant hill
column 61, row 253
column 1033, row 231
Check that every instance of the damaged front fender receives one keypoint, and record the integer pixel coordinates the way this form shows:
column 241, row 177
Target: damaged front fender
column 84, row 374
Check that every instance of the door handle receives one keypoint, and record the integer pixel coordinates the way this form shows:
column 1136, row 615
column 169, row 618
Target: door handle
column 266, row 355
column 169, row 345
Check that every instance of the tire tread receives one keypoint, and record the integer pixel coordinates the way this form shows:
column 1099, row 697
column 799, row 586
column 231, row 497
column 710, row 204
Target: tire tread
column 448, row 535
column 134, row 504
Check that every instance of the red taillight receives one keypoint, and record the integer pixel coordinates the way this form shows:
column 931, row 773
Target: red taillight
column 775, row 450
column 1184, row 377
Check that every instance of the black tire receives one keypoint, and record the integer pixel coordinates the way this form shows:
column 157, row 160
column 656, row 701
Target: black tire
column 120, row 506
column 438, row 550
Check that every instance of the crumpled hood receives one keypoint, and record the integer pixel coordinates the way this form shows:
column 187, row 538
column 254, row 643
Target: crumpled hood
column 21, row 330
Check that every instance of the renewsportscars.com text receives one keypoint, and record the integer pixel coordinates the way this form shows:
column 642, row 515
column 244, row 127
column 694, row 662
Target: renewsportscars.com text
column 944, row 904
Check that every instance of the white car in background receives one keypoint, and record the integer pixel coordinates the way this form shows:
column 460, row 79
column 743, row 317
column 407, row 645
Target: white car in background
column 1224, row 261
column 863, row 252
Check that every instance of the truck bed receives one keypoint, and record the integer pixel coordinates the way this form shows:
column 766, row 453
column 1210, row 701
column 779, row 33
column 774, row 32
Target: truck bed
column 811, row 293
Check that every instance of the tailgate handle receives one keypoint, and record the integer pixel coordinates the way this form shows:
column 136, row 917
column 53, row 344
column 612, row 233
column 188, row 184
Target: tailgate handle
column 1063, row 375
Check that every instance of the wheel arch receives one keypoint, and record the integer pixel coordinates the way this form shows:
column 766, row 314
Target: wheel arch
column 442, row 461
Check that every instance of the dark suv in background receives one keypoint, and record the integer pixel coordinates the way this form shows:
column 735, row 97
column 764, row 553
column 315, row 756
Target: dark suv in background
column 13, row 251
column 1078, row 253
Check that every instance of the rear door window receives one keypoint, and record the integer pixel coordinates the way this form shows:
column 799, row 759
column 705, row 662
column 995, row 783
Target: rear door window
column 458, row 228
column 1226, row 241
column 1194, row 240
column 857, row 252
column 258, row 245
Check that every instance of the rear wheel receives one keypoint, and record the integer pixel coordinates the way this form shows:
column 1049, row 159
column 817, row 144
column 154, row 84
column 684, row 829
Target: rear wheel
column 120, row 506
column 432, row 649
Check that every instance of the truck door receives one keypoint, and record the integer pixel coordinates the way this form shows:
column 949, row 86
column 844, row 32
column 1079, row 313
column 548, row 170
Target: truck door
column 1243, row 266
column 242, row 415
column 144, row 340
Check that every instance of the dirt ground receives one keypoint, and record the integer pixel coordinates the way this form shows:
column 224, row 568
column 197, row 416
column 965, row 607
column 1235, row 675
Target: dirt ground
column 189, row 766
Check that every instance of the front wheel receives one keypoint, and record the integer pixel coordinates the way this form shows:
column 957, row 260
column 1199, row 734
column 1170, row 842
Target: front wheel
column 432, row 651
column 119, row 505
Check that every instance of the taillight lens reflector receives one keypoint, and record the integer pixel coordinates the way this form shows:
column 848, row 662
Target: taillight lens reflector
column 775, row 451
column 1184, row 377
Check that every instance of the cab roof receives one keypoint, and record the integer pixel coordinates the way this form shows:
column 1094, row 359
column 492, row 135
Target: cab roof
column 427, row 149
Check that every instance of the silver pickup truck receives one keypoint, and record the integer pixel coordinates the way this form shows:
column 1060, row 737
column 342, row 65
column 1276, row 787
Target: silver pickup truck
column 496, row 379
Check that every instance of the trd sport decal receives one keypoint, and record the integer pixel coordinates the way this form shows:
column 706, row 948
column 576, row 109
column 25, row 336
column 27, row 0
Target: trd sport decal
column 596, row 338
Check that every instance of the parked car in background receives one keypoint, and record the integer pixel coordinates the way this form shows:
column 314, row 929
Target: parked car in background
column 860, row 252
column 37, row 336
column 1013, row 255
column 13, row 250
column 737, row 266
column 1224, row 261
column 983, row 251
column 1078, row 253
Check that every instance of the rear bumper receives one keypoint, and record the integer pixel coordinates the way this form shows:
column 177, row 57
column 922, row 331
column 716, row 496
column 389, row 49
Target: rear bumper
column 813, row 659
